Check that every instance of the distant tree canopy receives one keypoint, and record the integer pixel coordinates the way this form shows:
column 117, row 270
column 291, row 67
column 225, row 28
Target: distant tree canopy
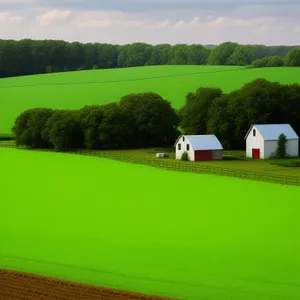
column 194, row 115
column 26, row 57
column 139, row 120
column 292, row 58
column 154, row 121
column 271, row 61
column 229, row 116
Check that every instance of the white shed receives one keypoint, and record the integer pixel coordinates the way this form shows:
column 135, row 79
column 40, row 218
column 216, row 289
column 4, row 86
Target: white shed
column 261, row 140
column 199, row 147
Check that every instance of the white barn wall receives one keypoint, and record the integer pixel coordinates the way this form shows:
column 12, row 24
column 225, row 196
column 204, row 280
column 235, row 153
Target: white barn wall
column 292, row 148
column 179, row 153
column 254, row 142
column 270, row 148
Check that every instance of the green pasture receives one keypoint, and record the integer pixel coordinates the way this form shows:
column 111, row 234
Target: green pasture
column 73, row 90
column 131, row 227
column 232, row 160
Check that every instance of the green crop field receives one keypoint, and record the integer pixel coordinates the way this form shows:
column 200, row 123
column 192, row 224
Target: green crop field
column 73, row 90
column 131, row 227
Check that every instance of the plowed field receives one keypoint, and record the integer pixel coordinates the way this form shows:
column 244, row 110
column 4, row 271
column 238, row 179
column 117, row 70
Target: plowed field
column 23, row 286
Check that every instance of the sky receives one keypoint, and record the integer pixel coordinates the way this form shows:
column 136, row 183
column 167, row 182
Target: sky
column 269, row 22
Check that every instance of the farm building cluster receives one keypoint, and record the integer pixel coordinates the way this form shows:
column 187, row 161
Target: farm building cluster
column 261, row 143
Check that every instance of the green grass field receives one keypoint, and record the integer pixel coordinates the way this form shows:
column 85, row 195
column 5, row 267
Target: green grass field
column 232, row 160
column 241, row 163
column 131, row 227
column 76, row 89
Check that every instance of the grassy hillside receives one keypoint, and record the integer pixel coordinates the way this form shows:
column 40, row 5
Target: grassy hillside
column 127, row 226
column 76, row 89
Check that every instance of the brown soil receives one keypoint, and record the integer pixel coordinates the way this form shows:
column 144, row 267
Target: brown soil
column 23, row 286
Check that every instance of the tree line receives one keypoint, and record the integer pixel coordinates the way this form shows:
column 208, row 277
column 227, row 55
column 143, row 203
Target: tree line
column 292, row 59
column 137, row 121
column 147, row 120
column 27, row 57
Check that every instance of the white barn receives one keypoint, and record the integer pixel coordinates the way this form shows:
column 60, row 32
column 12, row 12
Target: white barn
column 261, row 140
column 199, row 147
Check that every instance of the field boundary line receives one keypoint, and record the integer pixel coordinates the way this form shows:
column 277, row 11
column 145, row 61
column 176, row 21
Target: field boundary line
column 182, row 167
column 120, row 274
column 195, row 168
column 99, row 271
column 119, row 81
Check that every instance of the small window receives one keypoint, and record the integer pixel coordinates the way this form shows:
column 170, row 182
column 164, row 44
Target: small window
column 179, row 146
column 183, row 138
column 187, row 147
column 254, row 132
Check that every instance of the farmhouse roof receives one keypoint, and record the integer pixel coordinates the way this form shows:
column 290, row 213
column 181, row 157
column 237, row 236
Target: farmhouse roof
column 271, row 132
column 202, row 142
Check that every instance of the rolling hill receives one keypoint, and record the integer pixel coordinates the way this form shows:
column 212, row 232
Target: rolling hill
column 73, row 90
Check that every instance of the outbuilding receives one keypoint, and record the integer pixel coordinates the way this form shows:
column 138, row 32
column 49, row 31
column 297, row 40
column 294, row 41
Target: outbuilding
column 199, row 147
column 261, row 140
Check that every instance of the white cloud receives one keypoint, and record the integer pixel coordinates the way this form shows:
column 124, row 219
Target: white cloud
column 95, row 24
column 184, row 24
column 164, row 24
column 3, row 2
column 53, row 15
column 92, row 19
column 11, row 18
column 225, row 21
column 112, row 18
column 120, row 27
column 179, row 24
column 218, row 21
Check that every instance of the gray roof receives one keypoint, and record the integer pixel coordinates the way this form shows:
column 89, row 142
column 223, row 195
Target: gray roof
column 203, row 142
column 271, row 132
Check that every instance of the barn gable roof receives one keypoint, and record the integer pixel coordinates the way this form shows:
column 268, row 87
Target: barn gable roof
column 271, row 132
column 202, row 142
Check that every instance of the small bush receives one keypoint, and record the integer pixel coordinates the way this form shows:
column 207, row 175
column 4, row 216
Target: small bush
column 185, row 156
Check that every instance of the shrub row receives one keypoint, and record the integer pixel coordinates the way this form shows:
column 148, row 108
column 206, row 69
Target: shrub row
column 138, row 120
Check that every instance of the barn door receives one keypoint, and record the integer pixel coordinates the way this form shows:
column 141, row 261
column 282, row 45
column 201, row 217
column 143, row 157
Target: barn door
column 203, row 155
column 256, row 153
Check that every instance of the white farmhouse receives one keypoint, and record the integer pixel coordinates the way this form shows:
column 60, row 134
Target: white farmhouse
column 261, row 140
column 199, row 147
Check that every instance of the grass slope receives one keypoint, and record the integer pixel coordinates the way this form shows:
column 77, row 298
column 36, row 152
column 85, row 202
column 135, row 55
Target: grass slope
column 76, row 89
column 143, row 229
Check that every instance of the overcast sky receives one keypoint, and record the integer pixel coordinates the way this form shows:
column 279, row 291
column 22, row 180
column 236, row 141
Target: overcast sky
column 270, row 22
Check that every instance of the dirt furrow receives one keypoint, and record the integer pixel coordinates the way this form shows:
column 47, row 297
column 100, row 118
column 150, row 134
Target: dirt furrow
column 22, row 286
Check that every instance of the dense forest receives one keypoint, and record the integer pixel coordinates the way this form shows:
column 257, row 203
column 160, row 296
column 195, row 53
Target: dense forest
column 147, row 120
column 26, row 57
